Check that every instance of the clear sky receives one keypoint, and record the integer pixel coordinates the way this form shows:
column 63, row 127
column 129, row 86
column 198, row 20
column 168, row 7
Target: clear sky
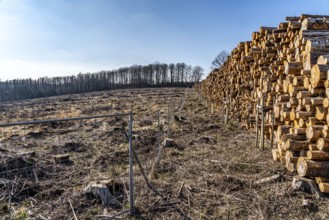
column 65, row 37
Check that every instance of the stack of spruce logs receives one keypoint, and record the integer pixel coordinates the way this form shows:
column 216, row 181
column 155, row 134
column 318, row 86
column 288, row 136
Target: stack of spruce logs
column 285, row 69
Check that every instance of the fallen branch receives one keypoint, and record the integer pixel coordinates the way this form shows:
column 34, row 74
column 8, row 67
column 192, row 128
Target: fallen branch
column 268, row 179
column 141, row 168
column 75, row 217
column 144, row 175
column 223, row 161
column 180, row 189
column 115, row 216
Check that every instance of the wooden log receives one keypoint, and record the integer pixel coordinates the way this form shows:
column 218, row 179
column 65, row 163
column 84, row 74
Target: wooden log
column 303, row 115
column 324, row 187
column 321, row 113
column 317, row 91
column 306, row 82
column 312, row 147
column 292, row 154
column 325, row 102
column 317, row 45
column 311, row 58
column 283, row 98
column 299, row 131
column 306, row 73
column 310, row 109
column 293, row 101
column 327, row 119
column 318, row 73
column 267, row 179
column 313, row 121
column 304, row 16
column 308, row 34
column 295, row 145
column 301, row 123
column 324, row 59
column 292, row 115
column 292, row 18
column 293, row 68
column 304, row 94
column 326, row 83
column 307, row 101
column 310, row 168
column 317, row 101
column 325, row 134
column 321, row 179
column 317, row 155
column 300, row 108
column 313, row 133
column 276, row 111
column 280, row 150
column 247, row 59
column 298, row 81
column 323, row 144
column 282, row 130
column 285, row 137
column 275, row 154
column 291, row 167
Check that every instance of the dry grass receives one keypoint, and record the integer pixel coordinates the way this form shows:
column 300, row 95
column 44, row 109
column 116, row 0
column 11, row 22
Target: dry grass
column 208, row 174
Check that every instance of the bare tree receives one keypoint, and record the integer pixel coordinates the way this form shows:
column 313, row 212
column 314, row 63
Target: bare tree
column 197, row 73
column 152, row 75
column 219, row 60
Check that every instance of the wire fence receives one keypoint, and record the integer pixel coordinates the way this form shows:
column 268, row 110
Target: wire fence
column 50, row 158
column 46, row 160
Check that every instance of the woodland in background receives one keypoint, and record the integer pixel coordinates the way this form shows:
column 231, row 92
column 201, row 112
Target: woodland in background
column 136, row 76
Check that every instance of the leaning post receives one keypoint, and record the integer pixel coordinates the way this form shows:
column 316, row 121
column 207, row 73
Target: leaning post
column 131, row 167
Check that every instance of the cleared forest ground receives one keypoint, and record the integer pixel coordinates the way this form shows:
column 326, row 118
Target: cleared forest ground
column 208, row 173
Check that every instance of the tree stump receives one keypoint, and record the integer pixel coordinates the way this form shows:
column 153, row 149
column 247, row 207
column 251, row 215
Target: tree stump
column 168, row 142
column 102, row 193
column 61, row 158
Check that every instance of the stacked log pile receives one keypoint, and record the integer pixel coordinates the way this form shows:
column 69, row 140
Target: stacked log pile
column 286, row 68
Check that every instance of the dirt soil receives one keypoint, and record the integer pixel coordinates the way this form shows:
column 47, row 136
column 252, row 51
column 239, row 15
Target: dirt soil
column 208, row 172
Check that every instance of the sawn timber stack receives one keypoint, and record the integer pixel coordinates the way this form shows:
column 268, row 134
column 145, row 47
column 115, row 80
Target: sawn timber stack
column 289, row 66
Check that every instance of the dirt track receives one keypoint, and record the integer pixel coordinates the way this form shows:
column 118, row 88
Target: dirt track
column 207, row 174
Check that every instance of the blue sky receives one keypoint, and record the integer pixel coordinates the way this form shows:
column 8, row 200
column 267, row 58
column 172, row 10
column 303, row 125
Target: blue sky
column 65, row 37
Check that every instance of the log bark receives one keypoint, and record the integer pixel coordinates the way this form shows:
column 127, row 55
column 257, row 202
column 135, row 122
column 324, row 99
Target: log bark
column 268, row 179
column 310, row 168
column 317, row 155
column 294, row 145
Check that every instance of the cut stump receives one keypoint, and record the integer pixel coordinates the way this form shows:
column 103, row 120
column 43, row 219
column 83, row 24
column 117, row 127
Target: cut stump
column 102, row 193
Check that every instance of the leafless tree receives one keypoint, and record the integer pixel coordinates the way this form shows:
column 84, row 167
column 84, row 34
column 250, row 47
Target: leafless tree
column 152, row 75
column 197, row 73
column 219, row 60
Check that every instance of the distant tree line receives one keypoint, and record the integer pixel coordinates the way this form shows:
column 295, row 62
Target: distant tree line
column 136, row 76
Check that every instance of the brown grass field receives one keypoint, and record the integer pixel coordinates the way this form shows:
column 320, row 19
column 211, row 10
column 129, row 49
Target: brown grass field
column 208, row 173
